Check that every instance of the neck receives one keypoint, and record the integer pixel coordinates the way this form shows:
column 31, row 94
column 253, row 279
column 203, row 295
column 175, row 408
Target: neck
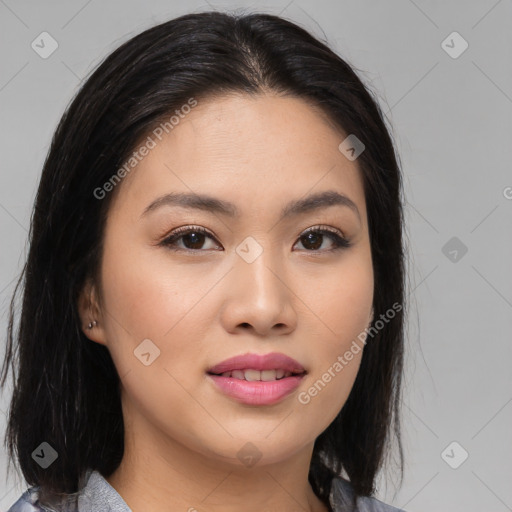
column 158, row 473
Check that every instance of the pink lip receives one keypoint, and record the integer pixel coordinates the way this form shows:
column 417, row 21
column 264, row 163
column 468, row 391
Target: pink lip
column 258, row 392
column 272, row 361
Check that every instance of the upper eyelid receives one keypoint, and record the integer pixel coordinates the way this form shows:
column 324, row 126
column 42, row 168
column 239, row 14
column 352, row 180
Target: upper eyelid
column 322, row 227
column 191, row 227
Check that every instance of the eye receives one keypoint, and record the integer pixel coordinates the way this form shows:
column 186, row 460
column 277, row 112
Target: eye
column 314, row 238
column 193, row 238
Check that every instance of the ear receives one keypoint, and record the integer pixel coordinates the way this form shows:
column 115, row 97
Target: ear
column 89, row 311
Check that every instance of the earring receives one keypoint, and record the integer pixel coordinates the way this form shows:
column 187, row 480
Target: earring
column 92, row 324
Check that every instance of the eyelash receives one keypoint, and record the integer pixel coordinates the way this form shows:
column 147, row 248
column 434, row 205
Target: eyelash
column 339, row 241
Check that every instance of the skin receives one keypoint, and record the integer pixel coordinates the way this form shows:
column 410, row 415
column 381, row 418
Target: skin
column 201, row 306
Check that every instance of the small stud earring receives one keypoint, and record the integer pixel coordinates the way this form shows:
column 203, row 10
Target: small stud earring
column 92, row 324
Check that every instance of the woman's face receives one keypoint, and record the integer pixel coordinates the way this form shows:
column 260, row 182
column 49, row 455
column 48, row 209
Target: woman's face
column 255, row 283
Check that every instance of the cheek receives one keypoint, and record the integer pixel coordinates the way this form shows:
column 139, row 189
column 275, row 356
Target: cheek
column 344, row 305
column 327, row 390
column 146, row 295
column 343, row 300
column 152, row 298
column 147, row 299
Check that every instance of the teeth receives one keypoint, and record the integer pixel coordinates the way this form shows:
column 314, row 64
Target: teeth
column 251, row 375
column 268, row 375
column 255, row 375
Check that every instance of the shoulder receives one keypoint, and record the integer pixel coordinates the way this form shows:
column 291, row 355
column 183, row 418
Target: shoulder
column 341, row 499
column 95, row 494
column 28, row 502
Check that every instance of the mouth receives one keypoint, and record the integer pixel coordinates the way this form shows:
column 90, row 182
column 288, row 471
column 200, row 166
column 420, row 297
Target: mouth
column 253, row 375
column 253, row 367
column 258, row 380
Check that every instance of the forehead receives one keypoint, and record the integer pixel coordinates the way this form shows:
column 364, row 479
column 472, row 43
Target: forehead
column 249, row 148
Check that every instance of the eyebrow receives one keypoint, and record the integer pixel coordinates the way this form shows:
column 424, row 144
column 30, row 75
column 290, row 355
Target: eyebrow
column 214, row 205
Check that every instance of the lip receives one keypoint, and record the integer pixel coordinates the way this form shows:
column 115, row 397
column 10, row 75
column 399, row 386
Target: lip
column 257, row 392
column 272, row 361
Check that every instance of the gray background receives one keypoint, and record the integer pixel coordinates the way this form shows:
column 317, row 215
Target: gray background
column 451, row 118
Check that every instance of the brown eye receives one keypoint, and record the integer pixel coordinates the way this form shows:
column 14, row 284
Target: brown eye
column 313, row 240
column 193, row 239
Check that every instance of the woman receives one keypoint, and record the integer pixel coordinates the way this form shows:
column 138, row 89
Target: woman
column 213, row 301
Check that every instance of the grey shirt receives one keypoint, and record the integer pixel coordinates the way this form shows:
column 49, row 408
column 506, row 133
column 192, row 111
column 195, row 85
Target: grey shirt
column 99, row 496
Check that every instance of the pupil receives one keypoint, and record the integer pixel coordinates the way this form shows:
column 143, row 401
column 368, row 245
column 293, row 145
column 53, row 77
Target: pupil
column 196, row 244
column 311, row 238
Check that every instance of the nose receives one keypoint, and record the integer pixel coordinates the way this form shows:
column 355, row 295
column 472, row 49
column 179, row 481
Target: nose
column 259, row 297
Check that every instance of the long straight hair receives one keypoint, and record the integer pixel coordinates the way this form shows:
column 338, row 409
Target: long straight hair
column 66, row 389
